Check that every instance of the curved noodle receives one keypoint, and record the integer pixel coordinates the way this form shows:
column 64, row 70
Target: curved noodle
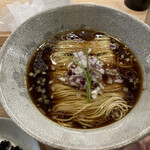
column 85, row 113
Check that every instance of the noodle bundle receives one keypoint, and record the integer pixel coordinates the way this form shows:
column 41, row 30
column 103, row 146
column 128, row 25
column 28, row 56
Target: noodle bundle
column 70, row 103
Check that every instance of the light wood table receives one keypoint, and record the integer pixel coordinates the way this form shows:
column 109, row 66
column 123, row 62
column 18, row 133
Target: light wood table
column 117, row 4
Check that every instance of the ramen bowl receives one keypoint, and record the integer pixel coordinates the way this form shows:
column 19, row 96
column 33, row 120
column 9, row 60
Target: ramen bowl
column 18, row 49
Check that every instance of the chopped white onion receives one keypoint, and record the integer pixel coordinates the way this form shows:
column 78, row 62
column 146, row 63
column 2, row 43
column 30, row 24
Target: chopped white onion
column 46, row 101
column 110, row 81
column 71, row 77
column 77, row 75
column 102, row 71
column 78, row 80
column 94, row 96
column 44, row 80
column 100, row 92
column 43, row 91
column 50, row 82
column 131, row 80
column 38, row 81
column 83, row 62
column 94, row 79
column 69, row 65
column 31, row 74
column 78, row 70
column 44, row 96
column 73, row 84
column 95, row 92
column 37, row 71
column 122, row 56
column 98, row 89
column 53, row 62
column 52, row 96
column 89, row 50
column 125, row 89
column 118, row 81
column 101, row 86
column 43, row 72
column 127, row 59
column 93, row 60
column 39, row 89
column 80, row 53
column 30, row 89
column 62, row 79
column 40, row 99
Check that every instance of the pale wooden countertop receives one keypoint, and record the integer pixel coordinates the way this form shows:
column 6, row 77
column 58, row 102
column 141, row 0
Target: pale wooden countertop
column 117, row 4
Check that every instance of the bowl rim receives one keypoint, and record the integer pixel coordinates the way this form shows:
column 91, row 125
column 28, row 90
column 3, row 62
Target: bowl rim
column 123, row 144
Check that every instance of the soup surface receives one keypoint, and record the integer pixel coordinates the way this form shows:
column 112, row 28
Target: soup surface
column 84, row 79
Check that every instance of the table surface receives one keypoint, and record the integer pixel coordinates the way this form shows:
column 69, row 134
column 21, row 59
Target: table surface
column 117, row 4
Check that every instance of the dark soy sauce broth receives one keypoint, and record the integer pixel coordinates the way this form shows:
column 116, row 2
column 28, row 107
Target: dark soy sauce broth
column 38, row 73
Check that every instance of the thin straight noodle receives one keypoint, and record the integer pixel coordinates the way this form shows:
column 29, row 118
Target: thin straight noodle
column 105, row 106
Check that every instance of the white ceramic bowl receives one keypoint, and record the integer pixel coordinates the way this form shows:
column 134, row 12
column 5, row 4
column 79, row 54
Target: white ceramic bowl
column 19, row 48
column 9, row 131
